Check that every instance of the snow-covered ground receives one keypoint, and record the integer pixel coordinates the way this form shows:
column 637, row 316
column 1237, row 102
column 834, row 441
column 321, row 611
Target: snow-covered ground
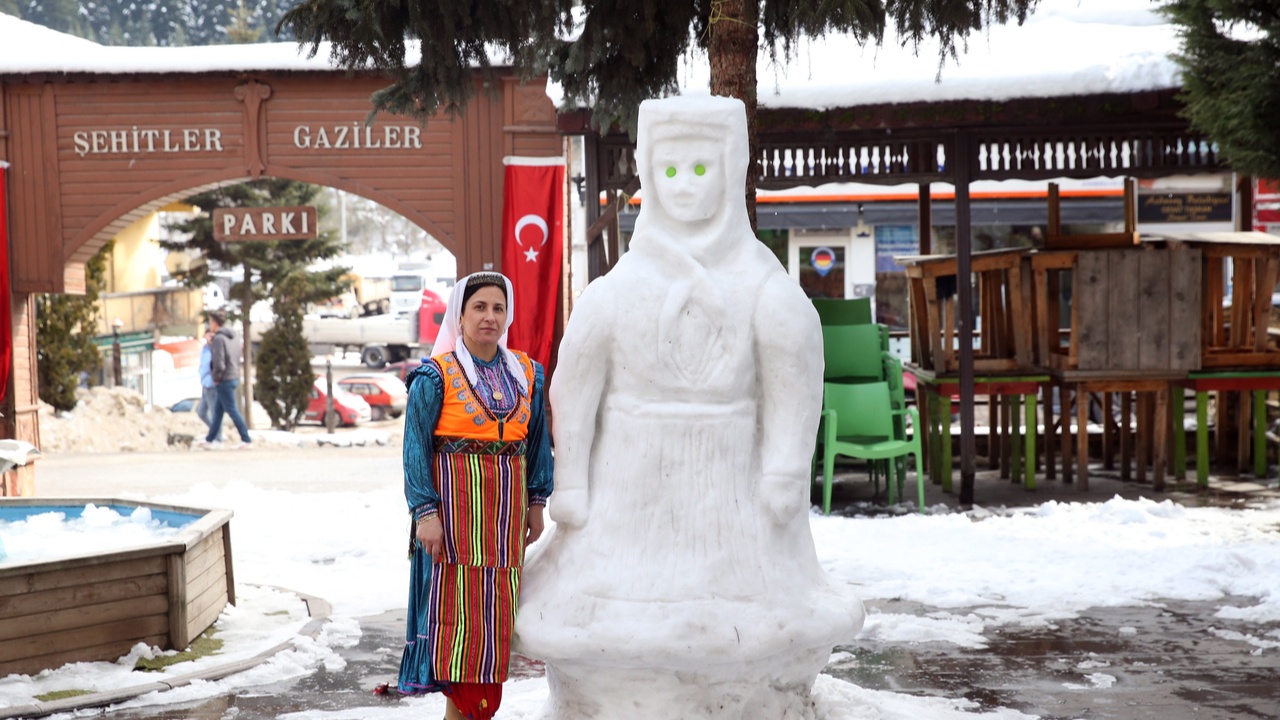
column 977, row 572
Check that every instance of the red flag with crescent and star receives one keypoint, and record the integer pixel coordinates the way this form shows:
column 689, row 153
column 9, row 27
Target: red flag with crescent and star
column 533, row 249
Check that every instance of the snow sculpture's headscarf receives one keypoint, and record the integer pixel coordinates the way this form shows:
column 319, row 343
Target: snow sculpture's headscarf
column 685, row 252
column 450, row 336
column 722, row 120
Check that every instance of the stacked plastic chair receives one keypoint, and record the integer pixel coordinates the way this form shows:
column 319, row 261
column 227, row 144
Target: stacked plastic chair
column 864, row 400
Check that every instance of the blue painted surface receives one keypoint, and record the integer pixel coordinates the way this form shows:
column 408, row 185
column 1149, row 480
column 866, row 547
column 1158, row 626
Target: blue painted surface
column 14, row 513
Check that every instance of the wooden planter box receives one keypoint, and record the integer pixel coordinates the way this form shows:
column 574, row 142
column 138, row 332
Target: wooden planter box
column 1132, row 311
column 98, row 606
column 1003, row 338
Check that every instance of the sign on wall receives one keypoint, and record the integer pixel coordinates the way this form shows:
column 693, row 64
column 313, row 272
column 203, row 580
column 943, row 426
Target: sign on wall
column 893, row 241
column 1185, row 207
column 264, row 223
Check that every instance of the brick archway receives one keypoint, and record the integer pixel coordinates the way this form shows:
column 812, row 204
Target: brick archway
column 91, row 153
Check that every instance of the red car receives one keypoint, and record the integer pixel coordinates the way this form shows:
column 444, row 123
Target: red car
column 402, row 369
column 351, row 408
column 384, row 393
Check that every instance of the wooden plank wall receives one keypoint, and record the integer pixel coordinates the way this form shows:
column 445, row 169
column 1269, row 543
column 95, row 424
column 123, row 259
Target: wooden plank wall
column 1185, row 285
column 101, row 189
column 96, row 612
column 1139, row 309
column 207, row 586
column 416, row 181
column 23, row 400
column 35, row 250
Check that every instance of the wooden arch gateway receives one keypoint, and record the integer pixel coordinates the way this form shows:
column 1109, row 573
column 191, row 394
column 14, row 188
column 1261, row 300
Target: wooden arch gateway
column 89, row 153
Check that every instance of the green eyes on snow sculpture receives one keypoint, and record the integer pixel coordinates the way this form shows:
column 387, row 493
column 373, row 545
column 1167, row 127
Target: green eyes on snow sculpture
column 698, row 170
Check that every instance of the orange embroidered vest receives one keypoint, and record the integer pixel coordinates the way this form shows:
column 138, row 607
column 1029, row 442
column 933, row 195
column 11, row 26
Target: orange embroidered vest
column 464, row 416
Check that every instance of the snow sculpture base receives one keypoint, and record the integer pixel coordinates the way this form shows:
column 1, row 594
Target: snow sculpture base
column 681, row 579
column 739, row 692
column 705, row 660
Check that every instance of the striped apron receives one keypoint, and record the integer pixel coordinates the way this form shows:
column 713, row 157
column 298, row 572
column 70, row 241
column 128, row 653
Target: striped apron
column 479, row 470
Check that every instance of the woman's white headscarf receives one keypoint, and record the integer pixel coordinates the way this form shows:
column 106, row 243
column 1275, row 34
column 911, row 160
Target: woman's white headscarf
column 450, row 336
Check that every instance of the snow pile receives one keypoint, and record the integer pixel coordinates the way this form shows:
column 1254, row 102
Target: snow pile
column 45, row 536
column 117, row 420
column 110, row 420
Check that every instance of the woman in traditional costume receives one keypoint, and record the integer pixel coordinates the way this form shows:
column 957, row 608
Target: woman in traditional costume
column 477, row 473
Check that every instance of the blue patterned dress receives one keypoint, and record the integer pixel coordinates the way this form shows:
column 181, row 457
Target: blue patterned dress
column 498, row 390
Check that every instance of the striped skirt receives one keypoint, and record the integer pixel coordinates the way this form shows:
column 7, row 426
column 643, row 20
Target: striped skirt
column 475, row 591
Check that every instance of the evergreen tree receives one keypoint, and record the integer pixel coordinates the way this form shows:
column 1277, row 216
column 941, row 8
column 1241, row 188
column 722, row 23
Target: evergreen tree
column 66, row 327
column 61, row 15
column 1231, row 77
column 284, row 375
column 241, row 29
column 10, row 7
column 624, row 51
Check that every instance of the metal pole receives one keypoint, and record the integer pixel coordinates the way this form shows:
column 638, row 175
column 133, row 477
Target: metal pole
column 246, row 350
column 330, row 417
column 924, row 211
column 964, row 319
column 117, row 378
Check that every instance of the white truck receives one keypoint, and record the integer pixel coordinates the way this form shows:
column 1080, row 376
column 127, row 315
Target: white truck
column 380, row 339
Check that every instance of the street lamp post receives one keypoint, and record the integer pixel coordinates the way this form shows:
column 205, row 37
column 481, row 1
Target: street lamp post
column 330, row 417
column 116, row 375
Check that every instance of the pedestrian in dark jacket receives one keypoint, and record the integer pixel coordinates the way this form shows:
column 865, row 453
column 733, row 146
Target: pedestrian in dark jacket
column 225, row 349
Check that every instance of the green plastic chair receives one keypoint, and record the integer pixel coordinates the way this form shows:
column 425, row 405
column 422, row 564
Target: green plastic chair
column 833, row 311
column 898, row 401
column 851, row 353
column 858, row 422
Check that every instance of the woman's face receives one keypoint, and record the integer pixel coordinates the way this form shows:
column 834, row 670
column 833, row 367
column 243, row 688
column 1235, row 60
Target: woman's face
column 484, row 317
column 689, row 179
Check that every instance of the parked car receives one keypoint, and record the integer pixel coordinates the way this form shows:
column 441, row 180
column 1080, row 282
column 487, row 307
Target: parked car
column 351, row 408
column 185, row 405
column 384, row 393
column 402, row 369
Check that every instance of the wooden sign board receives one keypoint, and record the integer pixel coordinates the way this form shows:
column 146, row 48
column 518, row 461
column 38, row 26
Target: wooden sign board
column 264, row 223
column 1185, row 208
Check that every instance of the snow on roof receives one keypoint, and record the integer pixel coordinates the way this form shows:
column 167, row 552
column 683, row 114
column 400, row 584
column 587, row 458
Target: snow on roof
column 1067, row 47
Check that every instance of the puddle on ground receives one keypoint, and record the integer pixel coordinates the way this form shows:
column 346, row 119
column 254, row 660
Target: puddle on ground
column 1168, row 666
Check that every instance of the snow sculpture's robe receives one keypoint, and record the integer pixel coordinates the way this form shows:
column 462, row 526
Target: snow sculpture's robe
column 685, row 406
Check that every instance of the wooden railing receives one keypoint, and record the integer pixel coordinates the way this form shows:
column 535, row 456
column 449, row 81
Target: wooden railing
column 918, row 156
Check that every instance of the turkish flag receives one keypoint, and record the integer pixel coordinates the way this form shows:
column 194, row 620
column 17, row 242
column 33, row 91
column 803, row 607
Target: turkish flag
column 533, row 249
column 6, row 320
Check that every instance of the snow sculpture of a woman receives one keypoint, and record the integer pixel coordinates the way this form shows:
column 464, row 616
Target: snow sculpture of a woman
column 682, row 579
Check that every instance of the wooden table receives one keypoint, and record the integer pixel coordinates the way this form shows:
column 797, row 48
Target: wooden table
column 934, row 394
column 1152, row 426
column 1257, row 382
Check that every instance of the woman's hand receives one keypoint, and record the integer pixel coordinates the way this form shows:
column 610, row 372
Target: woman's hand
column 430, row 533
column 534, row 524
